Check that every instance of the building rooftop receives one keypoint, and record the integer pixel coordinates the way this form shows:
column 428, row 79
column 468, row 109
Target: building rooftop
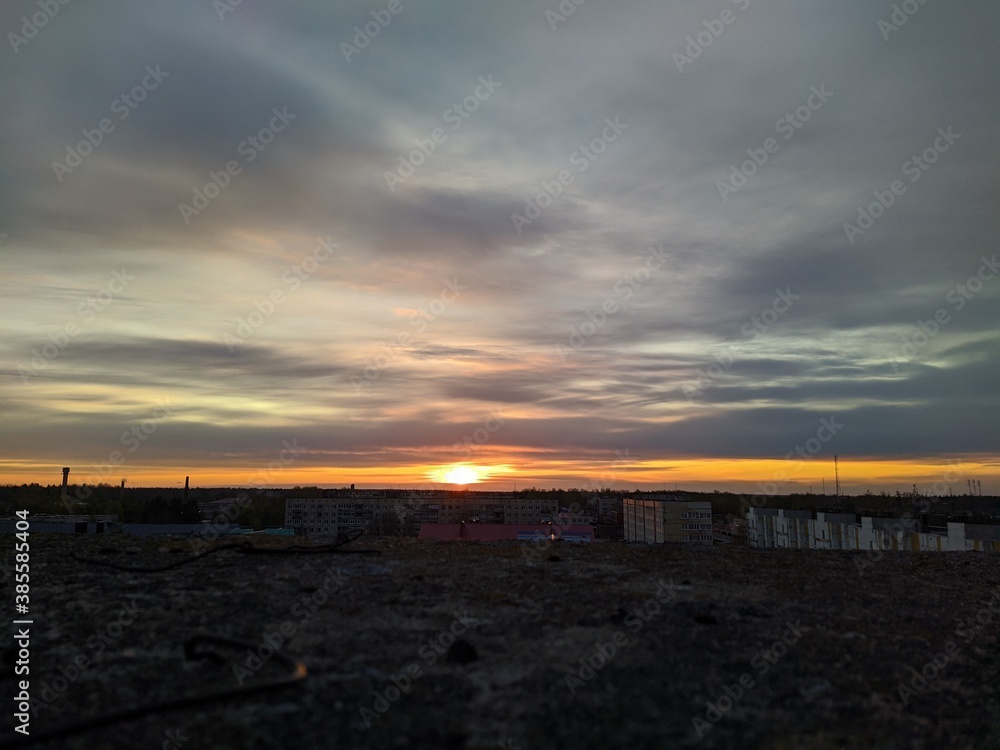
column 526, row 615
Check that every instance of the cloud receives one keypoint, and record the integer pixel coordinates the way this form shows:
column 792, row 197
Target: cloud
column 849, row 345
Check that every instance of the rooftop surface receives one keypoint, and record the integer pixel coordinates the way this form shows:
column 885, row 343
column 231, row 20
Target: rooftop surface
column 515, row 645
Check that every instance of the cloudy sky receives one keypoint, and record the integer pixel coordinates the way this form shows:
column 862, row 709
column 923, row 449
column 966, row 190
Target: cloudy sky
column 638, row 244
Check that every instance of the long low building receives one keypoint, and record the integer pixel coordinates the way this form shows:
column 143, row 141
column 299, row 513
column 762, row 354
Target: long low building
column 801, row 529
column 406, row 515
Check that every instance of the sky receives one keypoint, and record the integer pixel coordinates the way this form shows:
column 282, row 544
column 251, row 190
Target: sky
column 629, row 244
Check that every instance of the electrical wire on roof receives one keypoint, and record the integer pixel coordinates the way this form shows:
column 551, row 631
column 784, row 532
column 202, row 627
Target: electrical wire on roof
column 245, row 548
column 295, row 671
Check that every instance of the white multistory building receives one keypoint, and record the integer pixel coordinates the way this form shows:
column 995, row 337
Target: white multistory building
column 799, row 529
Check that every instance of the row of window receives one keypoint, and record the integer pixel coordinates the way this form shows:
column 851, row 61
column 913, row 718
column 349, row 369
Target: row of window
column 495, row 506
column 696, row 526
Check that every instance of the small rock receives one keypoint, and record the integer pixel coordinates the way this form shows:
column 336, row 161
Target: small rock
column 462, row 652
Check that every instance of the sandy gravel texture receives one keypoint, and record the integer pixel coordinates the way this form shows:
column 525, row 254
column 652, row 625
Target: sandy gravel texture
column 464, row 645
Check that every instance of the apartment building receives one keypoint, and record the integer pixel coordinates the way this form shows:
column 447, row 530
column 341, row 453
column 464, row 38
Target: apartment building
column 332, row 515
column 800, row 529
column 379, row 514
column 672, row 519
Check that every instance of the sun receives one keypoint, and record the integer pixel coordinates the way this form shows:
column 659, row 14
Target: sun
column 460, row 474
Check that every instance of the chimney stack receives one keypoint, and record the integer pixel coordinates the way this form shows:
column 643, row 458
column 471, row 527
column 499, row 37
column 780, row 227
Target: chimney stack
column 63, row 494
column 187, row 481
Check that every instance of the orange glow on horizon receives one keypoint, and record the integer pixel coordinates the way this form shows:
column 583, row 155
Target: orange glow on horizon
column 704, row 474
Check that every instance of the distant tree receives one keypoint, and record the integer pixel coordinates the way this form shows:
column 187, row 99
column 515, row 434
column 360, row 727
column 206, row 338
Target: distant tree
column 299, row 492
column 157, row 510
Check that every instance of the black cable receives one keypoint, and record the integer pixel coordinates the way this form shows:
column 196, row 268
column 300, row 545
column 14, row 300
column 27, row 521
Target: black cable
column 295, row 672
column 245, row 548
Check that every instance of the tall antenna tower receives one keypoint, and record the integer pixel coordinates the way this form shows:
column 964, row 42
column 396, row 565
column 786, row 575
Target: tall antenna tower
column 836, row 472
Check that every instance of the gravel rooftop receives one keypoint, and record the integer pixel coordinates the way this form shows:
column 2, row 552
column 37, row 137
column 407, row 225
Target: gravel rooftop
column 505, row 646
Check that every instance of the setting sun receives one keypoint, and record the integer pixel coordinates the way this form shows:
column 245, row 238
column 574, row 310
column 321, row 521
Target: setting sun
column 461, row 475
column 464, row 473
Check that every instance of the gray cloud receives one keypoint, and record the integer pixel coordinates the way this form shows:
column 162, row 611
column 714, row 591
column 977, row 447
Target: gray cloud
column 841, row 348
